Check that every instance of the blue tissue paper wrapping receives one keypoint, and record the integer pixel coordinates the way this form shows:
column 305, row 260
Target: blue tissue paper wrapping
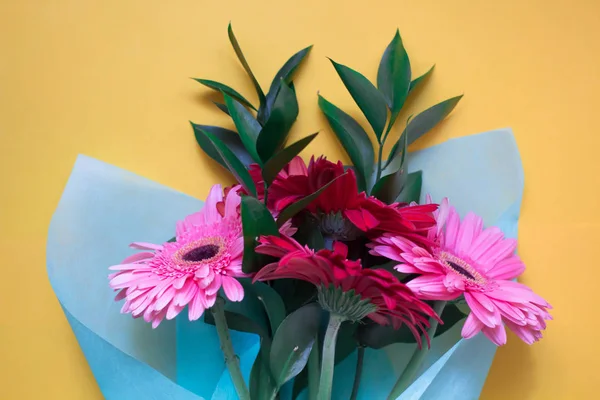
column 104, row 208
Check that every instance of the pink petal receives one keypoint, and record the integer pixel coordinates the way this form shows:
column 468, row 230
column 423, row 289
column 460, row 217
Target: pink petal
column 484, row 241
column 164, row 299
column 471, row 327
column 215, row 285
column 431, row 287
column 233, row 289
column 210, row 212
column 407, row 269
column 195, row 308
column 386, row 251
column 179, row 282
column 496, row 334
column 499, row 251
column 145, row 246
column 442, row 215
column 173, row 310
column 186, row 293
column 158, row 319
column 508, row 268
column 484, row 301
column 121, row 295
column 202, row 271
column 138, row 257
column 232, row 202
column 488, row 318
column 237, row 247
column 452, row 225
column 466, row 233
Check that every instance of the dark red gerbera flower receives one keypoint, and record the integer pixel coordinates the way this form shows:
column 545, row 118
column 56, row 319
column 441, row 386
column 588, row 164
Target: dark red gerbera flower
column 343, row 213
column 373, row 293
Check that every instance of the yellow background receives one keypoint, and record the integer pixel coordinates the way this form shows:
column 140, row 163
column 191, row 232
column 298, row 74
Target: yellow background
column 110, row 79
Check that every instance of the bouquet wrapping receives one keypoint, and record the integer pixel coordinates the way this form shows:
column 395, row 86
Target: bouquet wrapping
column 103, row 207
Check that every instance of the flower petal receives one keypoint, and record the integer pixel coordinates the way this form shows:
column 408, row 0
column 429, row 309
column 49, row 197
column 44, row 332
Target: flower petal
column 471, row 327
column 496, row 334
column 233, row 289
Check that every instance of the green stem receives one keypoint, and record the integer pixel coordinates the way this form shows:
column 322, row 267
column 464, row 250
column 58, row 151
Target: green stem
column 266, row 193
column 358, row 374
column 328, row 361
column 405, row 380
column 231, row 359
column 381, row 144
column 313, row 372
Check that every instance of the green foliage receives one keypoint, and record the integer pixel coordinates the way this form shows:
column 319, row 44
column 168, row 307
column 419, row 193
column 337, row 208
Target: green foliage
column 235, row 166
column 276, row 163
column 278, row 125
column 293, row 342
column 220, row 87
column 355, row 140
column 367, row 97
column 256, row 221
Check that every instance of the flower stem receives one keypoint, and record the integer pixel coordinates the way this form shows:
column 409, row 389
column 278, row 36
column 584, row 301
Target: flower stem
column 328, row 361
column 381, row 144
column 313, row 372
column 358, row 374
column 406, row 378
column 231, row 359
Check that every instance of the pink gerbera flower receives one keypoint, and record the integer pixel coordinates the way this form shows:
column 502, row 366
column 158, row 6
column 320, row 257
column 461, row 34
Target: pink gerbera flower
column 477, row 263
column 206, row 256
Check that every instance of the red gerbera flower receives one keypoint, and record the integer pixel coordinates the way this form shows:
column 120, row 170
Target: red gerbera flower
column 381, row 295
column 343, row 213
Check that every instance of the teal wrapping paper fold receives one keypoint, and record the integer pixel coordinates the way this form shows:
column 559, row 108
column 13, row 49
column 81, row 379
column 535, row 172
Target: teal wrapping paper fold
column 104, row 208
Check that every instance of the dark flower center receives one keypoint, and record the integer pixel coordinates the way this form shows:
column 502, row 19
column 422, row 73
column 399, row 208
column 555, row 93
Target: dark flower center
column 460, row 270
column 337, row 227
column 201, row 253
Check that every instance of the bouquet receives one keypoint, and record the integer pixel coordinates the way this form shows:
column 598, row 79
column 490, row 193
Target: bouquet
column 393, row 277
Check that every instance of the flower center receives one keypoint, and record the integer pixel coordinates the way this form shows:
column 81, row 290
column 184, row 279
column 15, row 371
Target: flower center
column 461, row 267
column 201, row 253
column 336, row 226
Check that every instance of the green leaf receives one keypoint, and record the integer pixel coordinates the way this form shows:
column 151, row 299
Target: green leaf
column 355, row 140
column 222, row 107
column 247, row 127
column 281, row 159
column 412, row 188
column 393, row 76
column 238, row 322
column 220, row 87
column 388, row 188
column 295, row 293
column 424, row 122
column 378, row 336
column 309, row 234
column 366, row 96
column 345, row 345
column 256, row 221
column 301, row 204
column 230, row 138
column 420, row 80
column 235, row 166
column 282, row 117
column 293, row 342
column 271, row 301
column 285, row 73
column 240, row 56
column 262, row 384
